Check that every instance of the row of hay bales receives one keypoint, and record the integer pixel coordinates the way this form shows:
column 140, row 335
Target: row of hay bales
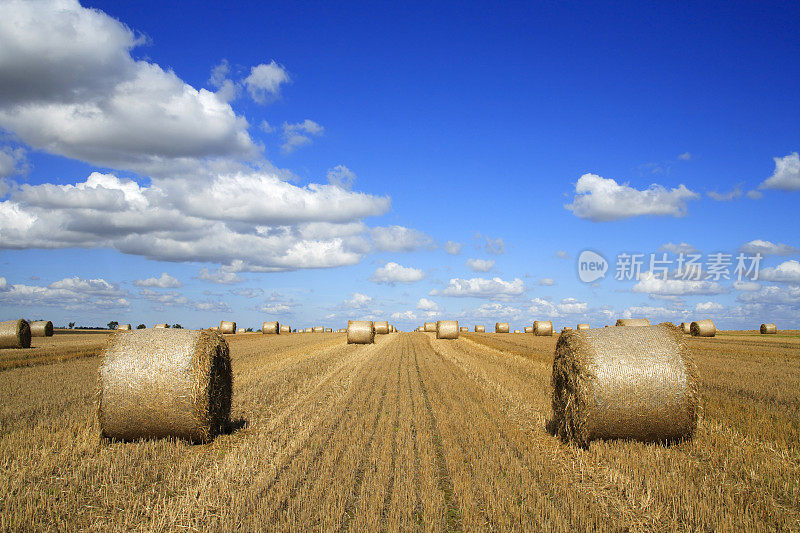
column 17, row 333
column 364, row 331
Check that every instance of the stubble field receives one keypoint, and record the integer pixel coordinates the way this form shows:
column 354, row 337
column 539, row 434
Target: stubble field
column 411, row 433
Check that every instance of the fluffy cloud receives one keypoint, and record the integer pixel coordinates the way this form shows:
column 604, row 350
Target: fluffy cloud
column 651, row 284
column 788, row 271
column 495, row 310
column 495, row 246
column 733, row 194
column 773, row 295
column 682, row 248
column 787, row 174
column 746, row 285
column 762, row 247
column 357, row 301
column 12, row 161
column 398, row 239
column 70, row 87
column 602, row 200
column 298, row 135
column 541, row 307
column 480, row 265
column 453, row 248
column 427, row 305
column 221, row 275
column 265, row 80
column 162, row 300
column 68, row 293
column 393, row 273
column 342, row 177
column 494, row 289
column 165, row 281
column 708, row 307
column 405, row 315
column 247, row 292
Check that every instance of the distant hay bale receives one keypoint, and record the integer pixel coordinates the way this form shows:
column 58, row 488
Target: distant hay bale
column 328, row 330
column 227, row 326
column 391, row 328
column 15, row 334
column 165, row 383
column 703, row 328
column 124, row 327
column 633, row 322
column 381, row 328
column 581, row 327
column 430, row 327
column 271, row 328
column 342, row 330
column 161, row 326
column 360, row 332
column 447, row 329
column 516, row 331
column 41, row 328
column 285, row 328
column 636, row 383
column 480, row 329
column 528, row 329
column 543, row 328
column 463, row 329
column 501, row 327
column 318, row 329
column 769, row 329
column 686, row 327
column 241, row 330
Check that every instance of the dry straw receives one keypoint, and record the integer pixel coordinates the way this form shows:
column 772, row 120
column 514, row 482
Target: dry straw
column 227, row 326
column 566, row 329
column 581, row 327
column 703, row 328
column 480, row 329
column 124, row 327
column 15, row 334
column 447, row 329
column 165, row 383
column 41, row 328
column 318, row 329
column 637, row 383
column 328, row 330
column 528, row 329
column 270, row 328
column 633, row 322
column 360, row 332
column 516, row 331
column 430, row 327
column 501, row 327
column 160, row 326
column 240, row 330
column 543, row 328
column 381, row 328
column 686, row 327
column 463, row 329
column 285, row 328
column 769, row 329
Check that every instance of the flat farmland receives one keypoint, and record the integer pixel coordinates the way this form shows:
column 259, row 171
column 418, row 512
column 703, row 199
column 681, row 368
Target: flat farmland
column 411, row 433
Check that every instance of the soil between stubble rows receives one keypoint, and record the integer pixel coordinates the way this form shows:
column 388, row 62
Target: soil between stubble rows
column 409, row 433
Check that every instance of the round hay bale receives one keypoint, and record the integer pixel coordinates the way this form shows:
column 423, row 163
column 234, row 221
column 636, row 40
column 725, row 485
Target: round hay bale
column 227, row 326
column 543, row 328
column 430, row 327
column 501, row 327
column 161, row 326
column 15, row 334
column 480, row 329
column 342, row 330
column 703, row 328
column 636, row 383
column 165, row 383
column 528, row 329
column 360, row 332
column 41, row 328
column 633, row 322
column 270, row 328
column 447, row 329
column 581, row 327
column 240, row 330
column 769, row 329
column 516, row 331
column 381, row 328
column 328, row 330
column 686, row 327
column 463, row 329
column 318, row 329
column 124, row 327
column 285, row 328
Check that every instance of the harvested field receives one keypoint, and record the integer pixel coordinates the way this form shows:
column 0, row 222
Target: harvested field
column 331, row 436
column 60, row 347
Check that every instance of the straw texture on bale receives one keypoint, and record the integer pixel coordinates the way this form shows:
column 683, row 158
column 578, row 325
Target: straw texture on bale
column 124, row 327
column 463, row 329
column 15, row 334
column 581, row 327
column 270, row 328
column 633, row 322
column 41, row 328
column 703, row 328
column 430, row 327
column 285, row 328
column 501, row 327
column 480, row 329
column 165, row 383
column 227, row 326
column 528, row 329
column 447, row 329
column 160, row 326
column 686, row 327
column 543, row 328
column 769, row 329
column 360, row 332
column 637, row 383
column 381, row 328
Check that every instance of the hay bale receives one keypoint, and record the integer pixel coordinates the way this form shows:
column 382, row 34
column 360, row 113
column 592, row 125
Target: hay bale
column 161, row 326
column 41, row 328
column 516, row 331
column 463, row 329
column 241, row 330
column 341, row 330
column 638, row 322
column 124, row 327
column 581, row 327
column 15, row 334
column 543, row 328
column 328, row 330
column 318, row 329
column 270, row 328
column 430, row 327
column 528, row 329
column 501, row 327
column 381, row 328
column 227, row 326
column 360, row 332
column 703, row 328
column 165, row 383
column 480, row 329
column 769, row 329
column 636, row 383
column 686, row 327
column 447, row 329
column 285, row 328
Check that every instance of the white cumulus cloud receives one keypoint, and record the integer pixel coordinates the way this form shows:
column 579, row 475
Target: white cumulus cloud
column 165, row 281
column 682, row 248
column 298, row 135
column 788, row 271
column 398, row 239
column 494, row 289
column 759, row 246
column 453, row 248
column 265, row 80
column 480, row 265
column 708, row 307
column 67, row 293
column 427, row 305
column 392, row 273
column 652, row 284
column 357, row 300
column 786, row 176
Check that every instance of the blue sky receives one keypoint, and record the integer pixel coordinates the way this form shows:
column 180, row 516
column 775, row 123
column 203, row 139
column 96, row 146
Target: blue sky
column 314, row 162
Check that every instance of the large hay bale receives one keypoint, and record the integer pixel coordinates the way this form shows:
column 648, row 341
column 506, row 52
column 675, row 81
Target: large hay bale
column 769, row 329
column 430, row 327
column 638, row 383
column 543, row 328
column 41, row 328
column 360, row 332
column 124, row 327
column 447, row 329
column 480, row 329
column 161, row 326
column 581, row 327
column 285, row 328
column 227, row 326
column 501, row 327
column 633, row 322
column 703, row 328
column 165, row 383
column 686, row 327
column 270, row 328
column 15, row 334
column 381, row 328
